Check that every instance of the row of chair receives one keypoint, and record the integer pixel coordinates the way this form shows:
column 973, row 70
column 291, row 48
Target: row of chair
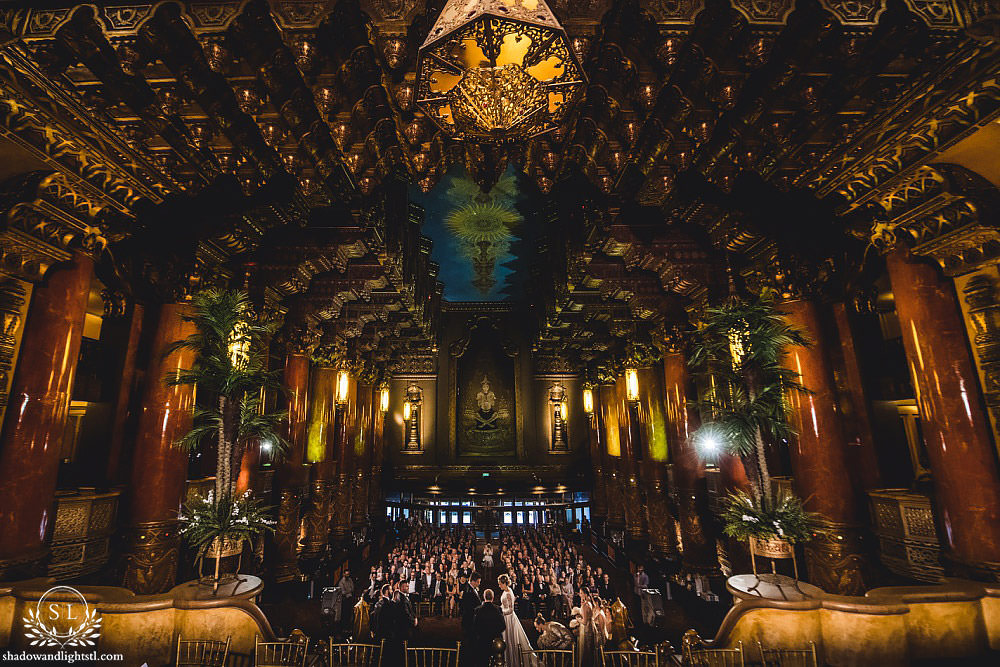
column 293, row 652
column 735, row 657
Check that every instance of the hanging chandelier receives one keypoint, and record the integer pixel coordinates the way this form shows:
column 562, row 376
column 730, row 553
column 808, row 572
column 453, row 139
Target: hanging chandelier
column 497, row 70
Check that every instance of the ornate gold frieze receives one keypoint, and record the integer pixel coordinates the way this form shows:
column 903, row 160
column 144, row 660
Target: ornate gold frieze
column 929, row 118
column 945, row 212
column 151, row 555
column 54, row 125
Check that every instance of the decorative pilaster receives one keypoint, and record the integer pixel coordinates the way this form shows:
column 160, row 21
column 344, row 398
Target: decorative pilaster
column 984, row 313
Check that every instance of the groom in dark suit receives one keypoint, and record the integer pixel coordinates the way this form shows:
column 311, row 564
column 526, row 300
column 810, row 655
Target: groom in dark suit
column 489, row 626
column 467, row 607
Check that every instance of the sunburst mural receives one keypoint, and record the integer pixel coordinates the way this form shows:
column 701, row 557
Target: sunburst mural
column 475, row 235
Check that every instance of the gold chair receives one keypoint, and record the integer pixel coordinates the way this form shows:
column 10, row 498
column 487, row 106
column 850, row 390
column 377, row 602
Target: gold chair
column 629, row 658
column 356, row 655
column 550, row 657
column 280, row 654
column 202, row 652
column 788, row 657
column 432, row 657
column 715, row 657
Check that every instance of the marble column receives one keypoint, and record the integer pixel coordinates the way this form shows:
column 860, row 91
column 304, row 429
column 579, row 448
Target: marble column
column 660, row 520
column 292, row 472
column 836, row 556
column 861, row 451
column 159, row 469
column 36, row 416
column 127, row 325
column 362, row 454
column 697, row 546
column 376, row 497
column 956, row 429
column 628, row 430
column 344, row 431
column 320, row 451
column 599, row 501
column 611, row 455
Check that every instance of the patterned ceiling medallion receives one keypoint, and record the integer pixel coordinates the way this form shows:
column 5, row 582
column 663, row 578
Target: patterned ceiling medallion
column 498, row 70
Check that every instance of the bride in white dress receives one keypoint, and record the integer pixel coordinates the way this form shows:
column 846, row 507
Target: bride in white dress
column 513, row 636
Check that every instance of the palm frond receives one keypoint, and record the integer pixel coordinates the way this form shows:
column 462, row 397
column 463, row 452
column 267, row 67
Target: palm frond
column 206, row 425
column 260, row 426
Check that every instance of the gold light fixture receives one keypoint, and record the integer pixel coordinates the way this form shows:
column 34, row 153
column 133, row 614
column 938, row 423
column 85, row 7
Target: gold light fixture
column 383, row 399
column 239, row 345
column 588, row 400
column 632, row 384
column 738, row 341
column 497, row 70
column 343, row 383
column 406, row 411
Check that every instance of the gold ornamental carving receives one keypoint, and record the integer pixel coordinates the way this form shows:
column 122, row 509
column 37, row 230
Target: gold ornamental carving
column 942, row 211
column 286, row 536
column 635, row 516
column 316, row 519
column 836, row 559
column 152, row 552
column 661, row 522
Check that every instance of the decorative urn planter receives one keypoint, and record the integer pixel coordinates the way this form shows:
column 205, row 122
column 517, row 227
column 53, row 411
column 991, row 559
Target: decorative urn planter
column 228, row 555
column 774, row 547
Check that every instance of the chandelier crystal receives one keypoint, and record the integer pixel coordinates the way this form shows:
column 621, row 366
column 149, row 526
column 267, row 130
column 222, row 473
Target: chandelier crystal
column 497, row 70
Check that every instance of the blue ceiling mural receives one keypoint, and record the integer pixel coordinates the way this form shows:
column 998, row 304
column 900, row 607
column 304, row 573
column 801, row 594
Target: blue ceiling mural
column 479, row 237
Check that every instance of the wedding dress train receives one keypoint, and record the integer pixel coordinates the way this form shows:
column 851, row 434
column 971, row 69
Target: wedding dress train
column 514, row 636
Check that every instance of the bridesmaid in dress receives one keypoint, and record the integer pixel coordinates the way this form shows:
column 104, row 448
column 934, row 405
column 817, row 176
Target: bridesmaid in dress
column 586, row 644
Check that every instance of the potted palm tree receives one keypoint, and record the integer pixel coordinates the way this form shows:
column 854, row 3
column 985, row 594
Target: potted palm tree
column 230, row 366
column 738, row 348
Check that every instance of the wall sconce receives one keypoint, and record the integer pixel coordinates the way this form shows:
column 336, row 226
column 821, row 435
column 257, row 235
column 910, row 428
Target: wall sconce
column 588, row 400
column 343, row 382
column 406, row 411
column 383, row 399
column 632, row 384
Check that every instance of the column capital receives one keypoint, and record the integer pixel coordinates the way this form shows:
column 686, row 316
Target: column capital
column 790, row 276
column 942, row 211
column 298, row 338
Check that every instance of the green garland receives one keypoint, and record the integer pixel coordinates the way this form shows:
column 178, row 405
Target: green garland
column 784, row 518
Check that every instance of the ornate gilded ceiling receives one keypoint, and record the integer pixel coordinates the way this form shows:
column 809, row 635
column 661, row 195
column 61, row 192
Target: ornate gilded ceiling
column 280, row 145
